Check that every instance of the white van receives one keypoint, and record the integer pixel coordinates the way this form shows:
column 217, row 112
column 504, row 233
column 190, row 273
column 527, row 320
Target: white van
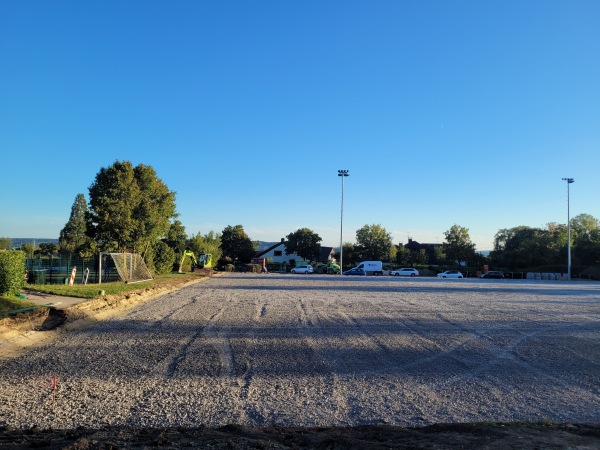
column 371, row 267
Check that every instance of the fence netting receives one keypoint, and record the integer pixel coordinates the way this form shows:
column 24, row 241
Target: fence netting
column 57, row 269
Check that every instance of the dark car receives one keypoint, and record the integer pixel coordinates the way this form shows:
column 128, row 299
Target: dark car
column 355, row 271
column 493, row 274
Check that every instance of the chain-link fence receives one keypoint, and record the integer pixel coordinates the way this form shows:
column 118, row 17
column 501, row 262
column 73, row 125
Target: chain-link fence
column 58, row 270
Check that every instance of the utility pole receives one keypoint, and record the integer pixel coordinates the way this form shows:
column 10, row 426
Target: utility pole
column 343, row 174
column 569, row 181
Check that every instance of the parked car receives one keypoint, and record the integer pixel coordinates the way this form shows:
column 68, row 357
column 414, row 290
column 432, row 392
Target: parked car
column 302, row 269
column 493, row 274
column 406, row 272
column 450, row 274
column 355, row 271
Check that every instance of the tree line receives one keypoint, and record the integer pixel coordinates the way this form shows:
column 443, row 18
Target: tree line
column 130, row 209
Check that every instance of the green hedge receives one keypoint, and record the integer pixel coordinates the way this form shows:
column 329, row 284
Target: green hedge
column 12, row 271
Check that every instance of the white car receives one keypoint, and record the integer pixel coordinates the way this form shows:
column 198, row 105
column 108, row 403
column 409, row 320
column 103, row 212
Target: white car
column 450, row 274
column 302, row 269
column 406, row 272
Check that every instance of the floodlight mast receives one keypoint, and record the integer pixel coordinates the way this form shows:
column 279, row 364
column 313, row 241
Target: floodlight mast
column 569, row 181
column 343, row 174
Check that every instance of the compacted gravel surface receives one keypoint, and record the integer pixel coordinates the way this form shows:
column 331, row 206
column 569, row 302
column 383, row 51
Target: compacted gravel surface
column 312, row 350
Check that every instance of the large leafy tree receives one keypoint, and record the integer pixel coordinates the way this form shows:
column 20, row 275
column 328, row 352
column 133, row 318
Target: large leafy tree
column 584, row 225
column 161, row 259
column 73, row 236
column 130, row 208
column 351, row 255
column 28, row 248
column 586, row 248
column 236, row 245
column 585, row 230
column 374, row 243
column 305, row 243
column 47, row 249
column 524, row 247
column 403, row 255
column 458, row 246
column 176, row 237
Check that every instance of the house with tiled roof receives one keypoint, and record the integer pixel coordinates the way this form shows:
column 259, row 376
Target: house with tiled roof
column 276, row 253
column 429, row 249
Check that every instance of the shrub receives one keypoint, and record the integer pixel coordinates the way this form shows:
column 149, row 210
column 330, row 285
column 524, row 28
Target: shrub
column 254, row 268
column 164, row 258
column 12, row 271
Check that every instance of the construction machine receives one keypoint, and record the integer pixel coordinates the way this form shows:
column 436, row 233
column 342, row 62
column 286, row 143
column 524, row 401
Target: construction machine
column 202, row 261
column 330, row 267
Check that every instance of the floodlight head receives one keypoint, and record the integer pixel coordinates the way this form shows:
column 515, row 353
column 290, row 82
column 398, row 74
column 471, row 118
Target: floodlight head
column 569, row 180
column 343, row 173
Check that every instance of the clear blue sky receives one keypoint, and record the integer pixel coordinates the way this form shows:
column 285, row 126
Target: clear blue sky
column 466, row 112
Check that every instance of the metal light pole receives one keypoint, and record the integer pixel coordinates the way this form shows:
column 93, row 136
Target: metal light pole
column 569, row 181
column 343, row 174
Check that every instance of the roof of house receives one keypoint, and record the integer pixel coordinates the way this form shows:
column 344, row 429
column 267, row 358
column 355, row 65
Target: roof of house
column 272, row 247
column 325, row 254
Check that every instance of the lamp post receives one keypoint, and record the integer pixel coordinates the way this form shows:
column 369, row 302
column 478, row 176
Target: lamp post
column 343, row 174
column 569, row 181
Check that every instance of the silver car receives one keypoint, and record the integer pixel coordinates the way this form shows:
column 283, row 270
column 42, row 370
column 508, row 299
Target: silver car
column 302, row 269
column 450, row 274
column 405, row 272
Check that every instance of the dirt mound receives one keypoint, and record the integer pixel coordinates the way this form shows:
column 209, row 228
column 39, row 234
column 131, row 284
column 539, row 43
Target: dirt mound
column 489, row 436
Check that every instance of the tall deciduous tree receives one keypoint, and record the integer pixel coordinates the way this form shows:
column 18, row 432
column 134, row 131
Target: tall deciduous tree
column 130, row 208
column 28, row 248
column 374, row 242
column 305, row 243
column 525, row 247
column 583, row 224
column 585, row 230
column 73, row 235
column 176, row 237
column 351, row 255
column 458, row 246
column 236, row 245
column 161, row 259
column 403, row 255
column 47, row 249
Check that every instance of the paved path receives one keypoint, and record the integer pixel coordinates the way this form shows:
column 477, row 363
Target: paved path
column 58, row 301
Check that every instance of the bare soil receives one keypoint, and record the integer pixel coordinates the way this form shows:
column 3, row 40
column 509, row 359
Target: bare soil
column 444, row 436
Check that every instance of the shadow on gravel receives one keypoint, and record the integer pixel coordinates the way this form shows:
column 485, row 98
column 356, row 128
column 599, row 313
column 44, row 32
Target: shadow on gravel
column 454, row 436
column 397, row 285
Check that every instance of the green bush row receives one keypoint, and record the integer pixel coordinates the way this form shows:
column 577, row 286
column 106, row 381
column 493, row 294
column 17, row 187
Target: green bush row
column 12, row 272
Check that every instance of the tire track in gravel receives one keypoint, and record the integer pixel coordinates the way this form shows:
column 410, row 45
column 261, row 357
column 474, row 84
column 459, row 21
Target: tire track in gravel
column 495, row 355
column 187, row 343
column 234, row 345
column 313, row 331
column 167, row 370
column 508, row 352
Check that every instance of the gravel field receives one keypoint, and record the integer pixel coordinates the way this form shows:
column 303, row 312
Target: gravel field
column 312, row 350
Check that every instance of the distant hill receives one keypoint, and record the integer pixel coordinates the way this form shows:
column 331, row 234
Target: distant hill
column 17, row 242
